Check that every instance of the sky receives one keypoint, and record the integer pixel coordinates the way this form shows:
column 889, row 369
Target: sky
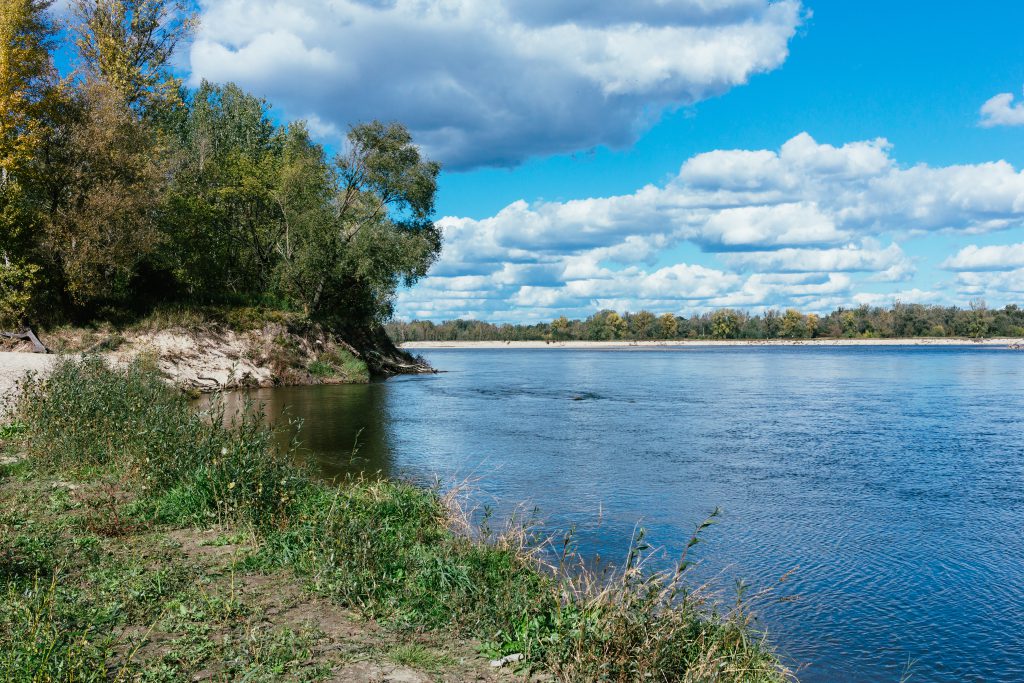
column 672, row 155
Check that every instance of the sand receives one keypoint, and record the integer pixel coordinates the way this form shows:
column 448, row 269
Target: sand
column 14, row 365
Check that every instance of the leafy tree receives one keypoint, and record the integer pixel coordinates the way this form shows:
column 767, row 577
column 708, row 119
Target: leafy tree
column 813, row 323
column 772, row 323
column 725, row 324
column 107, row 224
column 642, row 325
column 380, row 231
column 226, row 204
column 793, row 324
column 127, row 44
column 560, row 328
column 607, row 325
column 668, row 326
column 28, row 80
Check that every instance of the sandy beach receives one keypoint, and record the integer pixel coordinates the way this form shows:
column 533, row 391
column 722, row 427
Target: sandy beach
column 14, row 365
column 1006, row 342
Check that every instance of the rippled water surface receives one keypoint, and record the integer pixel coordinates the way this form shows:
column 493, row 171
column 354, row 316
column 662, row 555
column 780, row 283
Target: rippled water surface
column 889, row 481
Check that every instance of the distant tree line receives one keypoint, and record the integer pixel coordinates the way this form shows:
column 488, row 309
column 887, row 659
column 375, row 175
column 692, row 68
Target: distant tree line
column 120, row 189
column 899, row 320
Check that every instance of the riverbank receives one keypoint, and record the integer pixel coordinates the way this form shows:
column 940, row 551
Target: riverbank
column 203, row 358
column 1007, row 342
column 150, row 542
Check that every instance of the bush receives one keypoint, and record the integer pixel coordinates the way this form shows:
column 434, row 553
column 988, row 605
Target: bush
column 87, row 416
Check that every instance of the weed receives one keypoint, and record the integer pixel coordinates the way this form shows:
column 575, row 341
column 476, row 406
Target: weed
column 400, row 553
column 417, row 656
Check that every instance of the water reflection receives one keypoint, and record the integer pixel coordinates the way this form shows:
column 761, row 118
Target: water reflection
column 344, row 428
column 891, row 479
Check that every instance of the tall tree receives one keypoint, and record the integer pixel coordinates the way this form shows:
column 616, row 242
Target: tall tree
column 107, row 225
column 379, row 233
column 668, row 326
column 128, row 45
column 27, row 81
column 226, row 212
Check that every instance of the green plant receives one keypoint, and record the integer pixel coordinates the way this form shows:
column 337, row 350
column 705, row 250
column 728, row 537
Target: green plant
column 86, row 415
column 403, row 554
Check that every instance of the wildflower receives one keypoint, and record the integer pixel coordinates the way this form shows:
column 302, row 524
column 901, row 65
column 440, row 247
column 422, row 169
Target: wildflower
column 224, row 450
column 231, row 486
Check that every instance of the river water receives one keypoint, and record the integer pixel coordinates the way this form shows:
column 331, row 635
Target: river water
column 886, row 483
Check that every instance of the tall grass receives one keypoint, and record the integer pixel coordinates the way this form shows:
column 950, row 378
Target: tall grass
column 86, row 417
column 397, row 552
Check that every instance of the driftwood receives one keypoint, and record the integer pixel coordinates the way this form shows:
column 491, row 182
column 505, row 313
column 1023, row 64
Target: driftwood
column 27, row 333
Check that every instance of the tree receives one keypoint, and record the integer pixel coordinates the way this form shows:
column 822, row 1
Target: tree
column 793, row 324
column 560, row 328
column 848, row 321
column 772, row 323
column 379, row 232
column 725, row 324
column 27, row 83
column 232, row 197
column 606, row 325
column 105, row 227
column 642, row 324
column 128, row 45
column 668, row 326
column 107, row 224
column 813, row 322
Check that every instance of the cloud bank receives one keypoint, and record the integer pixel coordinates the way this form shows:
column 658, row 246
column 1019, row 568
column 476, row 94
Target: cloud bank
column 810, row 225
column 491, row 82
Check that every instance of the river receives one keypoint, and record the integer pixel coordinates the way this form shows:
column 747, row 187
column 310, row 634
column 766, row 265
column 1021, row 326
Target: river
column 886, row 483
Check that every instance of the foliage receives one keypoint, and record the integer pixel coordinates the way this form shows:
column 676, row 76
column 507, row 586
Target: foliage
column 394, row 551
column 901, row 320
column 86, row 416
column 122, row 191
column 127, row 45
column 28, row 82
column 107, row 224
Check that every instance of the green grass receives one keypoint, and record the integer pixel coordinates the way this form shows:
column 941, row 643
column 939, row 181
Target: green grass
column 400, row 554
column 341, row 364
column 419, row 657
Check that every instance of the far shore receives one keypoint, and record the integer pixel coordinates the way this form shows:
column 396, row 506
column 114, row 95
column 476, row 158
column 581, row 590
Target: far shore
column 1001, row 342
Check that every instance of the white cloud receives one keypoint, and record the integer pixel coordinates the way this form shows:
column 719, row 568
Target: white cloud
column 975, row 258
column 910, row 296
column 1000, row 110
column 992, row 285
column 852, row 258
column 810, row 225
column 492, row 82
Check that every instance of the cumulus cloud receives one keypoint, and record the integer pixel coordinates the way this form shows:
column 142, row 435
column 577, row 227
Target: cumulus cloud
column 492, row 82
column 890, row 262
column 992, row 285
column 1000, row 110
column 811, row 225
column 975, row 258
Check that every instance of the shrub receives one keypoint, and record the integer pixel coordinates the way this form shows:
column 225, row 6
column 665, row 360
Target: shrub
column 88, row 416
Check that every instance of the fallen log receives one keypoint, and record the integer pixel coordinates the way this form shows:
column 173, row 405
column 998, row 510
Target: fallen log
column 27, row 333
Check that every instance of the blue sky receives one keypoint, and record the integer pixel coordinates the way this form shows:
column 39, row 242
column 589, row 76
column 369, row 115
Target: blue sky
column 675, row 155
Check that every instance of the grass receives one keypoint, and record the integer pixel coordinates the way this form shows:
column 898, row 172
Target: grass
column 339, row 364
column 396, row 554
column 417, row 656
